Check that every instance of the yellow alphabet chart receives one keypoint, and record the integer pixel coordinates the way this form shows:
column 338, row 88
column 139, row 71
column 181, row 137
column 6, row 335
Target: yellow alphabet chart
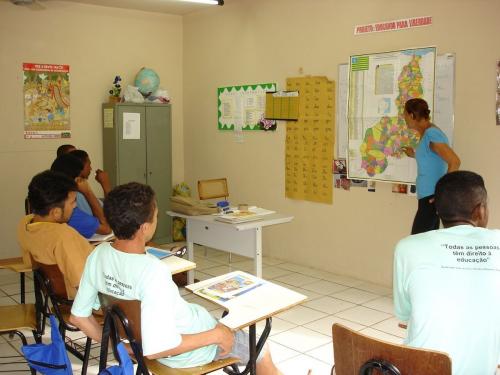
column 309, row 141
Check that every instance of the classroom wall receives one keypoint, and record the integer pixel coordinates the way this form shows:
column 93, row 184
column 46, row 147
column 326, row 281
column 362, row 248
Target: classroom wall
column 98, row 43
column 257, row 41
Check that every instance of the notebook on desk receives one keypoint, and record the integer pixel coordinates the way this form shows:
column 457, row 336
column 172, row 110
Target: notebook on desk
column 159, row 253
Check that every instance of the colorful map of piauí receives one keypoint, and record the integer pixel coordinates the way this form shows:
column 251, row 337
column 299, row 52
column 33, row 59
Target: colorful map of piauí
column 380, row 84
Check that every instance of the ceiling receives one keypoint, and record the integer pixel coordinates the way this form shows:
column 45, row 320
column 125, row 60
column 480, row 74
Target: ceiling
column 160, row 6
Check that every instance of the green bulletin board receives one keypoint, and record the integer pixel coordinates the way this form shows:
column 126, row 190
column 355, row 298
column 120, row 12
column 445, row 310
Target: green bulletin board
column 242, row 106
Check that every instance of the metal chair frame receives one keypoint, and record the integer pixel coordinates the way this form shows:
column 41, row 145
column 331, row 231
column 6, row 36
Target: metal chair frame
column 118, row 326
column 48, row 288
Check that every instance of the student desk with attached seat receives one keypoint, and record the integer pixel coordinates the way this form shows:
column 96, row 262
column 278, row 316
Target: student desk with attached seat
column 243, row 239
column 251, row 306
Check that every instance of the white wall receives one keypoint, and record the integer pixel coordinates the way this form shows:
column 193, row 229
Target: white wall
column 98, row 43
column 255, row 41
column 248, row 41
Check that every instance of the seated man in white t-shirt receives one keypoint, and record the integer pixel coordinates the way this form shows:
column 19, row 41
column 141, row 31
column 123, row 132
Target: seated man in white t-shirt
column 177, row 333
column 447, row 281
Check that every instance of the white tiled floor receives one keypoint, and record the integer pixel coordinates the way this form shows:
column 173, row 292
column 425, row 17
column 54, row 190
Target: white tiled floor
column 301, row 337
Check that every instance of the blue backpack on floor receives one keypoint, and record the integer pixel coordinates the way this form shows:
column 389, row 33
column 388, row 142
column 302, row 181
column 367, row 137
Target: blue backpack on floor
column 124, row 368
column 49, row 359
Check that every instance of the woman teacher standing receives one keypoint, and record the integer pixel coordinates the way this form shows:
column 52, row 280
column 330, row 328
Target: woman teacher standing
column 434, row 158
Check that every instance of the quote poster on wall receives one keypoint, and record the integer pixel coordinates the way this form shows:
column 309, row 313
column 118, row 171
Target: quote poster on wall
column 242, row 107
column 310, row 140
column 46, row 101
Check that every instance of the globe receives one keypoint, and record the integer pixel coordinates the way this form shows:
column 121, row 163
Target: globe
column 147, row 81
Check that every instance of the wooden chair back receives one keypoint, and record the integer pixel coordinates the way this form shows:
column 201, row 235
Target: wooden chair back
column 352, row 350
column 53, row 280
column 123, row 321
column 131, row 312
column 215, row 188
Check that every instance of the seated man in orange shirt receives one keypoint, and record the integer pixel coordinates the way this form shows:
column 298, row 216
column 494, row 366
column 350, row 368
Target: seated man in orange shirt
column 45, row 236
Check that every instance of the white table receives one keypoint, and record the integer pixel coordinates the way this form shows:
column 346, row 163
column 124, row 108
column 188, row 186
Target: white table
column 248, row 308
column 178, row 265
column 243, row 239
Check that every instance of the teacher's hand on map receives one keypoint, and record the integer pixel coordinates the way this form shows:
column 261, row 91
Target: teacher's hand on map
column 409, row 151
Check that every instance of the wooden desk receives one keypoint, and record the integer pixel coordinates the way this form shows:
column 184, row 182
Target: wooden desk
column 17, row 265
column 252, row 306
column 243, row 239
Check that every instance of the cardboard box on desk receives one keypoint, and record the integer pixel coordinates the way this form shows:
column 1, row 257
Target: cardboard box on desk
column 190, row 206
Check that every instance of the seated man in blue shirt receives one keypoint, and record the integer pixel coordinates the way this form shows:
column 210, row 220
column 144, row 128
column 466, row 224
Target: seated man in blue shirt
column 177, row 333
column 87, row 225
column 100, row 176
column 447, row 281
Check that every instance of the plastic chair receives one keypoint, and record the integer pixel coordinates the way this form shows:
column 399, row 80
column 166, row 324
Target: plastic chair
column 356, row 353
column 122, row 321
column 12, row 320
column 50, row 287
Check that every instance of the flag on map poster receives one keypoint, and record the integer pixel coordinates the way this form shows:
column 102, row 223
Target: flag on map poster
column 46, row 101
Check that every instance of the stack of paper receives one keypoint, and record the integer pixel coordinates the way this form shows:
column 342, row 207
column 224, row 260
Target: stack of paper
column 237, row 216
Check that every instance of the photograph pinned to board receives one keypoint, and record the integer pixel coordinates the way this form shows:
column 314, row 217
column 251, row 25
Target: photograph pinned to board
column 412, row 189
column 339, row 169
column 341, row 181
column 400, row 188
column 407, row 189
column 371, row 186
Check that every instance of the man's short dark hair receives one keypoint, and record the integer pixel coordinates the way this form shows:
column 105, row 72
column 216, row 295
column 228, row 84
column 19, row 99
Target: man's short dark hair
column 127, row 207
column 458, row 194
column 80, row 155
column 48, row 190
column 68, row 165
column 64, row 149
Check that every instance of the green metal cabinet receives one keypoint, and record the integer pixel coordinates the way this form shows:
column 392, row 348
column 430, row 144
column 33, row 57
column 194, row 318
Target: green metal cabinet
column 141, row 150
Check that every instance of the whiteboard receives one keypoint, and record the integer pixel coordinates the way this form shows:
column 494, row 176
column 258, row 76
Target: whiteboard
column 444, row 101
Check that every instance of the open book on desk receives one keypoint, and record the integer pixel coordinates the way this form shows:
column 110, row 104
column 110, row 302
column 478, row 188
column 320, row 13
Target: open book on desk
column 237, row 216
column 232, row 285
column 249, row 299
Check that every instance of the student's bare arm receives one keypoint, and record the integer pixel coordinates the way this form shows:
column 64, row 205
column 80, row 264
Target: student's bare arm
column 220, row 335
column 95, row 206
column 88, row 325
